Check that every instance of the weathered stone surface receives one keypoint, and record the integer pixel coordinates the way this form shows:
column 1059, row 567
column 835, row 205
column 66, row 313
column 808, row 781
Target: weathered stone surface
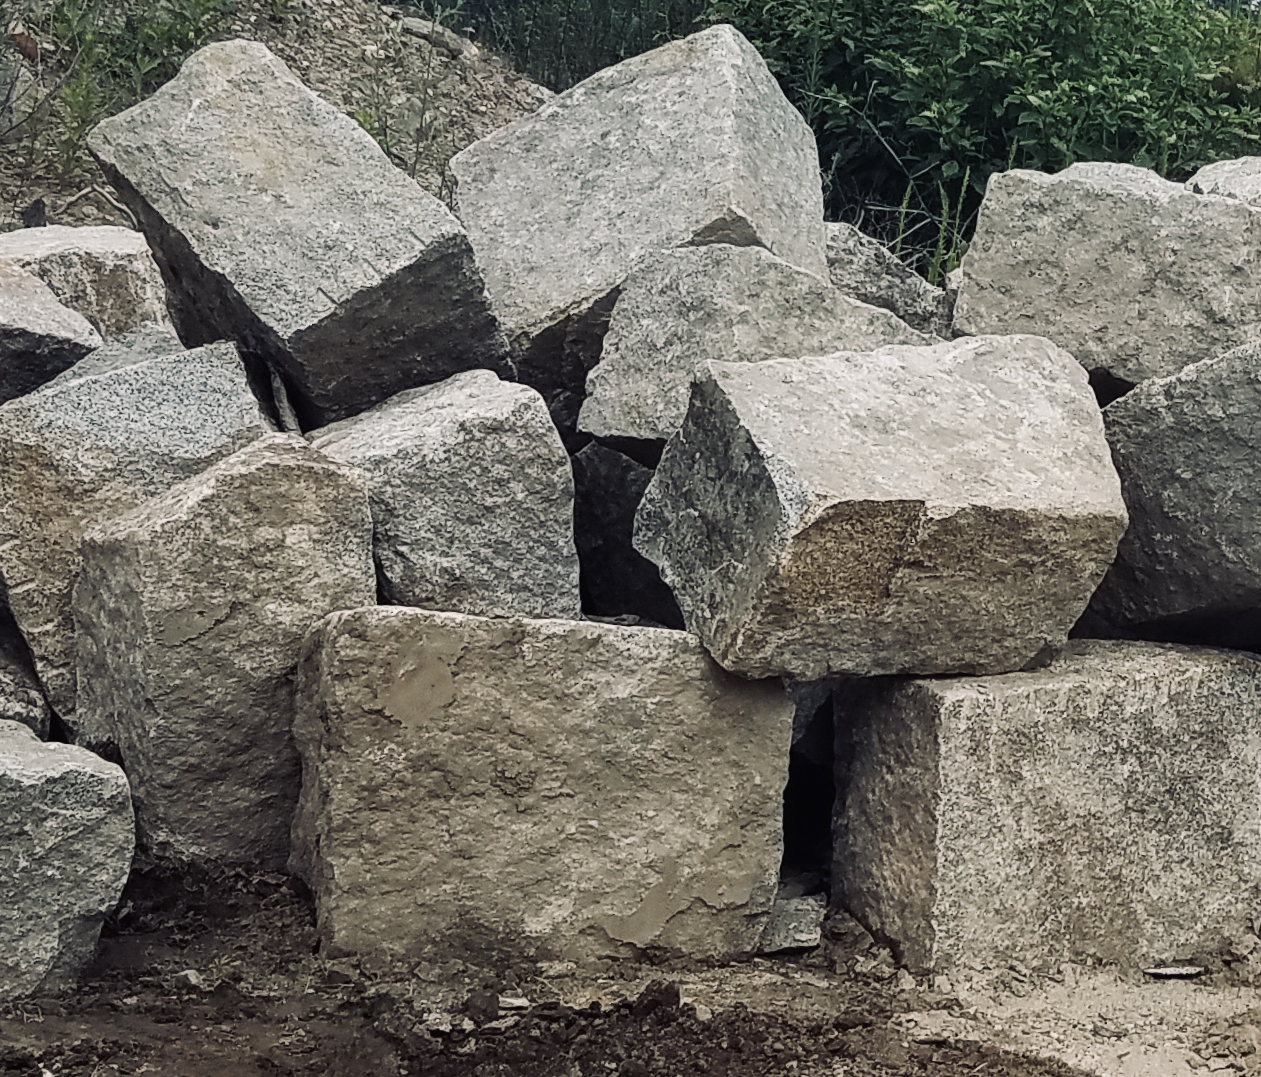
column 682, row 307
column 39, row 338
column 796, row 924
column 1136, row 276
column 1240, row 178
column 1186, row 448
column 616, row 579
column 472, row 497
column 908, row 510
column 690, row 143
column 19, row 96
column 569, row 789
column 1109, row 804
column 89, row 448
column 104, row 273
column 127, row 349
column 21, row 699
column 66, row 838
column 191, row 610
column 866, row 269
column 279, row 223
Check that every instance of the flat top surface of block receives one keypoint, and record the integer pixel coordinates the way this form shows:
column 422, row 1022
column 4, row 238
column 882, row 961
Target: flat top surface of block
column 31, row 244
column 666, row 147
column 288, row 198
column 1001, row 421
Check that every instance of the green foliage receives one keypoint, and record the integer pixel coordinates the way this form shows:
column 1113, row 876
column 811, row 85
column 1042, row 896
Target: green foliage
column 560, row 42
column 916, row 103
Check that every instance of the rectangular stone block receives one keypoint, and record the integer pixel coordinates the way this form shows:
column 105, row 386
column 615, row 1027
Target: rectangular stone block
column 279, row 223
column 691, row 143
column 561, row 789
column 1108, row 805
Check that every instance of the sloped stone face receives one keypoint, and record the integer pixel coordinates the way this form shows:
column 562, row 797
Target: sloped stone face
column 66, row 839
column 39, row 338
column 909, row 510
column 131, row 348
column 617, row 581
column 690, row 143
column 191, row 610
column 562, row 789
column 682, row 307
column 1107, row 804
column 1136, row 276
column 472, row 497
column 280, row 223
column 1186, row 448
column 864, row 268
column 104, row 273
column 1239, row 178
column 89, row 448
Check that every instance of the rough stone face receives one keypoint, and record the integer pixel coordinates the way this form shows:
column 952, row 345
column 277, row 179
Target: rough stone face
column 616, row 580
column 39, row 338
column 104, row 273
column 89, row 448
column 66, row 839
column 567, row 789
column 127, row 349
column 1186, row 447
column 1240, row 178
column 20, row 697
column 682, row 307
column 908, row 510
column 866, row 269
column 472, row 497
column 1108, row 804
column 191, row 611
column 279, row 223
column 690, row 143
column 1136, row 276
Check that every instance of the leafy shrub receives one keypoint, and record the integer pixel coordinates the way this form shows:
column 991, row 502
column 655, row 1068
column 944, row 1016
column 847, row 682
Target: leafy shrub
column 916, row 104
column 560, row 42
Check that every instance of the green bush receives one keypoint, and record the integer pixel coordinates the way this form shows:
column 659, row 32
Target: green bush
column 916, row 104
column 560, row 42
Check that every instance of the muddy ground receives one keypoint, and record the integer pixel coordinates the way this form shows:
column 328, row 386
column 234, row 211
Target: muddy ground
column 221, row 977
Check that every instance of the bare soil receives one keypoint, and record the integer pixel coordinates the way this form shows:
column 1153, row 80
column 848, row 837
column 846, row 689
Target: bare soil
column 221, row 977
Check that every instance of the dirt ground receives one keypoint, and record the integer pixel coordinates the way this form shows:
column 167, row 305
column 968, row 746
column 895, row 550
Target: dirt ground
column 218, row 979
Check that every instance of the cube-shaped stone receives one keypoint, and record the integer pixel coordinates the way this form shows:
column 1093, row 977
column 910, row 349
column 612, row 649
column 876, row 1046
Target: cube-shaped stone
column 66, row 840
column 691, row 143
column 564, row 789
column 39, row 337
column 1187, row 448
column 1107, row 805
column 191, row 610
column 281, row 224
column 106, row 274
column 1135, row 275
column 866, row 269
column 935, row 509
column 472, row 497
column 682, row 307
column 88, row 448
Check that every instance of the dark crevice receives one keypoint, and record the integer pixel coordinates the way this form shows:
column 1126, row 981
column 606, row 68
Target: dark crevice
column 644, row 451
column 809, row 799
column 1108, row 387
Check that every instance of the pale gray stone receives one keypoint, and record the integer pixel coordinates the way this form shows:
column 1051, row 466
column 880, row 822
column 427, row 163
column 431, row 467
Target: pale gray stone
column 1240, row 178
column 617, row 581
column 691, row 143
column 866, row 269
column 39, row 338
column 796, row 924
column 281, row 224
column 152, row 341
column 681, row 307
column 191, row 611
column 1107, row 805
column 21, row 699
column 563, row 789
column 935, row 509
column 1186, row 448
column 472, row 497
column 66, row 839
column 1136, row 276
column 438, row 36
column 104, row 273
column 89, row 448
column 19, row 96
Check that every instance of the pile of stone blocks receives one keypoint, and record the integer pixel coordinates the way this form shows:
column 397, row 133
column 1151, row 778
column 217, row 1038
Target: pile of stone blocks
column 494, row 573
